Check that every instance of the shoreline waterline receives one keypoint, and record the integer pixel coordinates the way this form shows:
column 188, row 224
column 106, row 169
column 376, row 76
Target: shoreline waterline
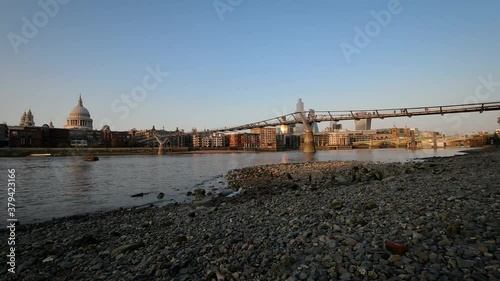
column 75, row 152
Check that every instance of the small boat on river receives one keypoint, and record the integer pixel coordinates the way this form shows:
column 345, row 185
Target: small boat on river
column 40, row 154
column 91, row 157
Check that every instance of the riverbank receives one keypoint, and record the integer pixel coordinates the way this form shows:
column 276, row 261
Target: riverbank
column 311, row 221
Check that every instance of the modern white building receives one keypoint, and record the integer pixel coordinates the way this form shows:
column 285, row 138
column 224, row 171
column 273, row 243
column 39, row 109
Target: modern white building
column 339, row 139
column 299, row 128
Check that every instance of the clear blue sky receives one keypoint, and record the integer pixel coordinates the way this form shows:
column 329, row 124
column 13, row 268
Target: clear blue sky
column 250, row 64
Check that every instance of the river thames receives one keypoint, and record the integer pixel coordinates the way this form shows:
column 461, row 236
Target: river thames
column 50, row 187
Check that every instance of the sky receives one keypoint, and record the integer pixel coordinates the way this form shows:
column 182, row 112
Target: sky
column 210, row 64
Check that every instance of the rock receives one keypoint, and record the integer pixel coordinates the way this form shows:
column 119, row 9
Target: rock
column 337, row 258
column 289, row 176
column 346, row 276
column 226, row 192
column 180, row 239
column 284, row 266
column 198, row 203
column 340, row 179
column 199, row 192
column 126, row 248
column 388, row 179
column 416, row 235
column 372, row 274
column 336, row 205
column 66, row 264
column 444, row 242
column 465, row 263
column 48, row 259
column 97, row 266
column 422, row 256
column 138, row 195
column 453, row 229
column 332, row 244
column 362, row 271
column 220, row 276
column 350, row 242
column 371, row 206
column 160, row 195
column 85, row 241
column 395, row 248
column 394, row 258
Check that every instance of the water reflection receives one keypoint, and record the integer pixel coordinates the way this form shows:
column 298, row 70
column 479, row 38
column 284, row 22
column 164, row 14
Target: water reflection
column 309, row 157
column 284, row 158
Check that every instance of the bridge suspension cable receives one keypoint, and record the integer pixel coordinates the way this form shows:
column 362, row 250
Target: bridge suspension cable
column 342, row 115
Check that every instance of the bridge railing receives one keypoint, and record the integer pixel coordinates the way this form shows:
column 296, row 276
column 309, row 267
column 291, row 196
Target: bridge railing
column 332, row 115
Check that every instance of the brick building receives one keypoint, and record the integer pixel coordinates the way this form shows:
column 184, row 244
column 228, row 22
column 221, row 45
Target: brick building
column 267, row 137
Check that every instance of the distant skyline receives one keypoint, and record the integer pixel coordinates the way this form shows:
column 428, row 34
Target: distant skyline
column 195, row 64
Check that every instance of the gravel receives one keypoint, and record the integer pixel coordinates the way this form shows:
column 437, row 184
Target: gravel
column 311, row 221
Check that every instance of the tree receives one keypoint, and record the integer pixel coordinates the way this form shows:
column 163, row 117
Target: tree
column 496, row 140
column 498, row 120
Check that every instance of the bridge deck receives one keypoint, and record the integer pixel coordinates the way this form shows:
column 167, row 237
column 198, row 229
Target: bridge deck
column 320, row 116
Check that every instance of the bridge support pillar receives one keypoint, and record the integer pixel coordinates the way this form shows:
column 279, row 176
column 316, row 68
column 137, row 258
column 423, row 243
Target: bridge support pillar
column 413, row 143
column 161, row 145
column 309, row 142
column 161, row 149
column 434, row 140
column 309, row 146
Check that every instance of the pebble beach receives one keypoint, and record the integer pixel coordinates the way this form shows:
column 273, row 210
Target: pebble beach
column 434, row 219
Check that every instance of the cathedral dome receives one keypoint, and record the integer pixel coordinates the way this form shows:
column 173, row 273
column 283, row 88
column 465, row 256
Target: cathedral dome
column 79, row 117
column 79, row 111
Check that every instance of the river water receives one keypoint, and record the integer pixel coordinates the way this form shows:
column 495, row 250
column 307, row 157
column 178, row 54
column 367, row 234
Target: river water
column 49, row 187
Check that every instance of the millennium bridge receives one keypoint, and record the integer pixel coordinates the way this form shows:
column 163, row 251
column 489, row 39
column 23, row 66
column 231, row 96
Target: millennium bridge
column 307, row 118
